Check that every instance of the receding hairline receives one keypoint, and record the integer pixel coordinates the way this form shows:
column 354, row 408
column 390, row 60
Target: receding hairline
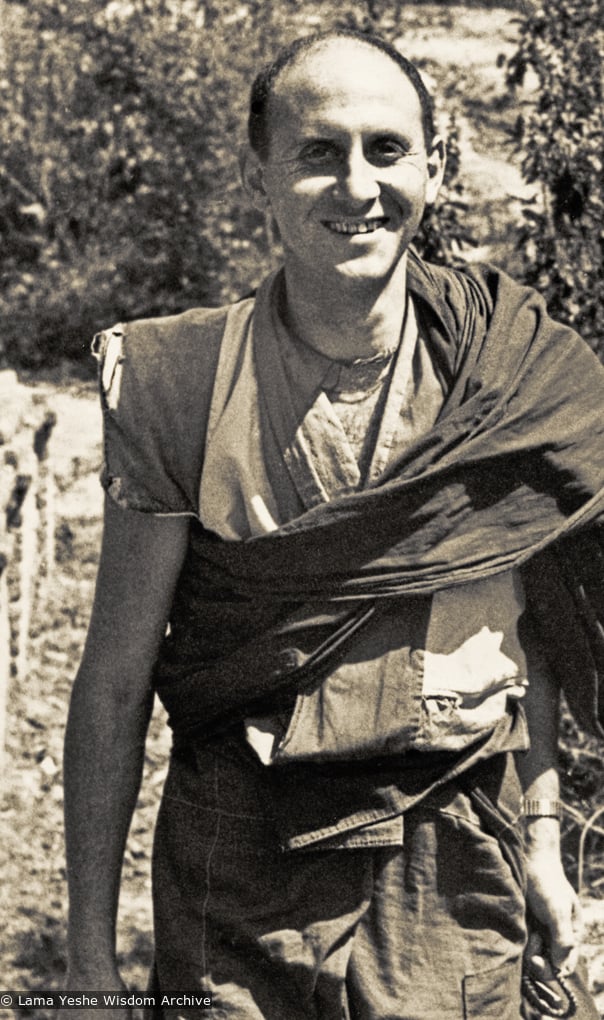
column 264, row 88
column 296, row 66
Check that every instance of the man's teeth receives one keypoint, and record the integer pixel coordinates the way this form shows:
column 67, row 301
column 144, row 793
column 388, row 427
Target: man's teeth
column 356, row 227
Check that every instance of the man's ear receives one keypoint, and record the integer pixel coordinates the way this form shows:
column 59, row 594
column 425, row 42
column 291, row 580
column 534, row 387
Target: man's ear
column 437, row 158
column 252, row 176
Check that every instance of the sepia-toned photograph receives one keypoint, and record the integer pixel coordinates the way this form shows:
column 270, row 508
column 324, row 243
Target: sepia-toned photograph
column 302, row 491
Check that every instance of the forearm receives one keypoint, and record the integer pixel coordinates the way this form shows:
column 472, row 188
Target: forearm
column 537, row 768
column 141, row 558
column 104, row 753
column 552, row 903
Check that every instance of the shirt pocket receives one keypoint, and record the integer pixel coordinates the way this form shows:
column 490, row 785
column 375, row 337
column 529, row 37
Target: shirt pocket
column 362, row 710
column 473, row 662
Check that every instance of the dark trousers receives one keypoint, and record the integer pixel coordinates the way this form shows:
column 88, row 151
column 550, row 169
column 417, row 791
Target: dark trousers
column 430, row 930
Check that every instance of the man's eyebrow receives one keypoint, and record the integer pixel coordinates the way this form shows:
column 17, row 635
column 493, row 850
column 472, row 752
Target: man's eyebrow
column 399, row 134
column 317, row 136
column 321, row 130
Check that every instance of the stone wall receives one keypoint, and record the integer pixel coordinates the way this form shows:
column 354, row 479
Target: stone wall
column 27, row 524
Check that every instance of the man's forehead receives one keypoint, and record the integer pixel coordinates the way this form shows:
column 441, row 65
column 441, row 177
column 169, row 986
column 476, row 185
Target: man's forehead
column 345, row 71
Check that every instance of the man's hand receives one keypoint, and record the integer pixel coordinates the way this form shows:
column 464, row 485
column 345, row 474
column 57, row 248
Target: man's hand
column 554, row 904
column 75, row 983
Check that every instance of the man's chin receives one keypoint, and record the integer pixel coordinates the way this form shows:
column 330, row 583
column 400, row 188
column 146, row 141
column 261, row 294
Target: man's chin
column 369, row 270
column 363, row 269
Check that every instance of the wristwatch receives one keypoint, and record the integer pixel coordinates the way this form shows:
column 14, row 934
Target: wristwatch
column 541, row 807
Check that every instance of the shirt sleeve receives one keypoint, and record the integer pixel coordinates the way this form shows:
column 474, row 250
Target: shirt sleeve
column 155, row 380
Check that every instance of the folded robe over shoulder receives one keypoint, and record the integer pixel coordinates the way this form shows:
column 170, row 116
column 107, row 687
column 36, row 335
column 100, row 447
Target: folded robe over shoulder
column 513, row 467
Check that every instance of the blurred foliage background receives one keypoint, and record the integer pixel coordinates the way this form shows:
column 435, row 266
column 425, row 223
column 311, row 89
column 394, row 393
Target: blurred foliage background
column 561, row 141
column 120, row 129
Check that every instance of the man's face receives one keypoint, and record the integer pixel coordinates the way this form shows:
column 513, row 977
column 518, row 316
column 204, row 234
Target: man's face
column 347, row 175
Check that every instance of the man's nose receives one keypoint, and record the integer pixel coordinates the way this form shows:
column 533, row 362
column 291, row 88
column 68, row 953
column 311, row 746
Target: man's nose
column 358, row 179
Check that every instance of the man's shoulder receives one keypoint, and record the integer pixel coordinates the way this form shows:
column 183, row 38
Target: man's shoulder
column 164, row 351
column 156, row 378
column 479, row 288
column 458, row 285
column 198, row 327
column 456, row 304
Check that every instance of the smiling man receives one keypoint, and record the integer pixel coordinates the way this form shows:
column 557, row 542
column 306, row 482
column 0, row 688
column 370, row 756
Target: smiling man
column 328, row 491
column 348, row 166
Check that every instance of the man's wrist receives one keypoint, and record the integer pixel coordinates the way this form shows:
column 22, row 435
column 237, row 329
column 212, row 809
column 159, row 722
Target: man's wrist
column 541, row 816
column 92, row 961
column 542, row 835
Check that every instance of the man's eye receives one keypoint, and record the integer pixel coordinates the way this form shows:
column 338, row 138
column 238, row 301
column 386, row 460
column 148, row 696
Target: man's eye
column 318, row 152
column 387, row 150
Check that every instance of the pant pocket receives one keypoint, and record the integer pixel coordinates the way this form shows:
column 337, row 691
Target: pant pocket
column 509, row 836
column 493, row 994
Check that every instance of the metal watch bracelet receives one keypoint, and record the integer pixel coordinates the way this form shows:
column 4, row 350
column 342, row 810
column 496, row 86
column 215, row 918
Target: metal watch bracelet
column 541, row 807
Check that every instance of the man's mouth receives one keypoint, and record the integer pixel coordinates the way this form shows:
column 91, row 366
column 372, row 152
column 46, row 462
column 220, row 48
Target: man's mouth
column 355, row 226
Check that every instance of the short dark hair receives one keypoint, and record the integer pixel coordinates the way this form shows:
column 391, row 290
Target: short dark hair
column 264, row 83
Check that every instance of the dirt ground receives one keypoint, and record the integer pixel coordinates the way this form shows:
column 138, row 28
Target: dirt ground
column 460, row 48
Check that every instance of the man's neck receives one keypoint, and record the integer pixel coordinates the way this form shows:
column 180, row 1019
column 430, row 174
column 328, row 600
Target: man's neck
column 349, row 319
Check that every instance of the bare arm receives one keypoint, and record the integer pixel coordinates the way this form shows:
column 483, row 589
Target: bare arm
column 551, row 899
column 111, row 702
